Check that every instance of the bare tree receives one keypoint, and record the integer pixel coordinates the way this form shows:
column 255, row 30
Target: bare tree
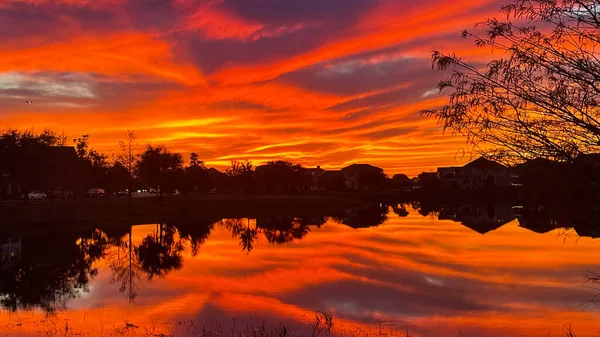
column 128, row 154
column 542, row 98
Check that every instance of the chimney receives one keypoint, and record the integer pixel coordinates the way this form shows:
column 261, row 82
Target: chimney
column 318, row 167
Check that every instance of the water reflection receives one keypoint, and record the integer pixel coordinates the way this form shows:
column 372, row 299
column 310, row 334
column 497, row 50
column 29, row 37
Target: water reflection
column 47, row 272
column 394, row 267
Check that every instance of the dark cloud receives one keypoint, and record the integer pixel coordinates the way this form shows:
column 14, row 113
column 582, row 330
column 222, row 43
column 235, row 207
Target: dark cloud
column 158, row 15
column 291, row 11
column 388, row 99
column 240, row 105
column 390, row 133
column 212, row 55
column 358, row 76
column 52, row 20
column 354, row 299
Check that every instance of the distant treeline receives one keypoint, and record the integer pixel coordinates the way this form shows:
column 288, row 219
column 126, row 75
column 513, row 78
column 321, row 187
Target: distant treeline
column 43, row 161
column 46, row 161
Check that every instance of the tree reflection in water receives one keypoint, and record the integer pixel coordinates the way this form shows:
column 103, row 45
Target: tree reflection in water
column 245, row 229
column 371, row 215
column 160, row 252
column 277, row 230
column 50, row 271
column 47, row 271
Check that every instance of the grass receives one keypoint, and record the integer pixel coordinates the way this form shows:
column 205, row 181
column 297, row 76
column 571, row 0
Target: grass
column 323, row 325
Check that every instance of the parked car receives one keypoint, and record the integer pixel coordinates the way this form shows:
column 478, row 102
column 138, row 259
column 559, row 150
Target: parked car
column 96, row 193
column 36, row 195
column 123, row 193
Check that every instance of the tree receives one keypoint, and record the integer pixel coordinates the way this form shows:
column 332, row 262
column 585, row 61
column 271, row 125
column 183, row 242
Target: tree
column 196, row 172
column 372, row 179
column 118, row 176
column 429, row 181
column 90, row 157
column 401, row 181
column 542, row 99
column 93, row 163
column 241, row 173
column 159, row 167
column 128, row 157
column 195, row 161
column 283, row 176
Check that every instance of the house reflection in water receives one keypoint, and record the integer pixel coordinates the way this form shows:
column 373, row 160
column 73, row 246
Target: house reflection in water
column 480, row 218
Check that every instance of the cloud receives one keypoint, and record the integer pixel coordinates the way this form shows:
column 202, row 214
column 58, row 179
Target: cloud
column 320, row 82
column 280, row 12
column 115, row 55
column 63, row 85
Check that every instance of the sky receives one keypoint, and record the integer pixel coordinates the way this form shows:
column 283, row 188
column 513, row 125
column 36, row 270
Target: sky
column 317, row 82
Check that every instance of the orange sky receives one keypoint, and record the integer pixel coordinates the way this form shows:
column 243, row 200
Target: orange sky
column 317, row 82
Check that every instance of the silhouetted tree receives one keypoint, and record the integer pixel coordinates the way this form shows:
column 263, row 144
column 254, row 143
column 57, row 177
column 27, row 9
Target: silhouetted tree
column 118, row 177
column 542, row 99
column 89, row 156
column 401, row 181
column 128, row 157
column 282, row 176
column 159, row 167
column 93, row 164
column 429, row 181
column 197, row 173
column 372, row 180
column 241, row 174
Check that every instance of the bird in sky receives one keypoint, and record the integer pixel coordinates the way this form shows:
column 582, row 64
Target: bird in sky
column 28, row 102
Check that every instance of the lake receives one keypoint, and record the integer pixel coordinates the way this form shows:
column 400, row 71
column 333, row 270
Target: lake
column 467, row 270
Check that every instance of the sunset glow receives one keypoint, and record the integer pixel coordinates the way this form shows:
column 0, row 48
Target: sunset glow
column 317, row 82
column 433, row 277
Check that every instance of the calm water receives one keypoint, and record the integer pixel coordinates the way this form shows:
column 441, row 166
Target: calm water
column 402, row 270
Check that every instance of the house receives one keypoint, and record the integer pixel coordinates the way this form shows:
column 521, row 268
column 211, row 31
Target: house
column 216, row 178
column 479, row 173
column 315, row 179
column 45, row 168
column 363, row 177
column 5, row 184
column 334, row 180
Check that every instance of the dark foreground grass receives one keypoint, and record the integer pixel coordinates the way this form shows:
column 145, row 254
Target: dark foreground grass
column 323, row 325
